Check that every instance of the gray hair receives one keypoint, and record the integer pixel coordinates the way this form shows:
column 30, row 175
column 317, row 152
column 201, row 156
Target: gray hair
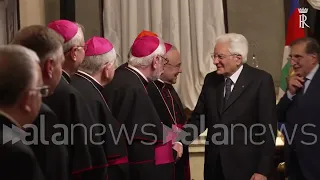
column 146, row 61
column 77, row 39
column 238, row 44
column 91, row 64
column 17, row 72
column 43, row 40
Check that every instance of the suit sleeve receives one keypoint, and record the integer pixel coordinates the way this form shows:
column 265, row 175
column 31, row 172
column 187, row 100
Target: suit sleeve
column 267, row 118
column 16, row 165
column 52, row 157
column 282, row 107
column 192, row 128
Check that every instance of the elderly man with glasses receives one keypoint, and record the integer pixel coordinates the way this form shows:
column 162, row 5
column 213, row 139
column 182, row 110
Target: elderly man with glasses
column 237, row 105
column 171, row 111
column 298, row 109
column 130, row 104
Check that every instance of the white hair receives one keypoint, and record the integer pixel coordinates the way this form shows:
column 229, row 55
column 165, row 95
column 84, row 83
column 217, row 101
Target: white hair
column 238, row 44
column 147, row 60
column 77, row 39
column 91, row 64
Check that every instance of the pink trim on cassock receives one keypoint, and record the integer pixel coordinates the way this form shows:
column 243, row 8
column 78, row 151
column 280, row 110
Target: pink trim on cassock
column 117, row 161
column 163, row 153
column 89, row 168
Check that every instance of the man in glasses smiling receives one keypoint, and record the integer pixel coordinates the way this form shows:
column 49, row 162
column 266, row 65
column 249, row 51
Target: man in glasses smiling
column 170, row 108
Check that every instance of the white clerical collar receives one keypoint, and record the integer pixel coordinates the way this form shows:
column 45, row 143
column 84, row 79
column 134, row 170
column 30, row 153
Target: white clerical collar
column 10, row 118
column 90, row 76
column 234, row 77
column 160, row 80
column 66, row 73
column 138, row 71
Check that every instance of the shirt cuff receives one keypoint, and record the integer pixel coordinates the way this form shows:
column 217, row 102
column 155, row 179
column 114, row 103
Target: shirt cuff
column 289, row 95
column 178, row 143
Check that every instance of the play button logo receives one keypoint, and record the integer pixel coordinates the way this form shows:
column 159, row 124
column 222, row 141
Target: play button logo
column 12, row 134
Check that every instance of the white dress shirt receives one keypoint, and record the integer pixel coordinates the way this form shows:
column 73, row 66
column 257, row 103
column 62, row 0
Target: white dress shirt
column 309, row 78
column 234, row 77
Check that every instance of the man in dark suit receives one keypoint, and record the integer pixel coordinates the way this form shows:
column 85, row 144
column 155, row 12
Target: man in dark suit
column 238, row 104
column 298, row 109
column 19, row 105
column 47, row 44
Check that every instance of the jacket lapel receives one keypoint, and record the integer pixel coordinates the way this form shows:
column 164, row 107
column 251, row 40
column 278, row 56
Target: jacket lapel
column 313, row 87
column 239, row 87
column 220, row 95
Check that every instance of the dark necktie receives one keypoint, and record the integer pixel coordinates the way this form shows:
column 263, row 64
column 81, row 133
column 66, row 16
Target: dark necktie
column 228, row 85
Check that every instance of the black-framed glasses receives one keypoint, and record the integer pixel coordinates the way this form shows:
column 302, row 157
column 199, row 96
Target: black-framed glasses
column 44, row 90
column 166, row 60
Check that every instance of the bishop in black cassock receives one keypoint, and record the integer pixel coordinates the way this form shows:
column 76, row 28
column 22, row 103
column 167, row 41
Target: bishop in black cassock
column 86, row 158
column 169, row 106
column 129, row 102
column 96, row 71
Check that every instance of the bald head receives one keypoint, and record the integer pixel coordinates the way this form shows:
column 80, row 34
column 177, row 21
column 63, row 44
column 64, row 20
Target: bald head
column 13, row 59
column 173, row 68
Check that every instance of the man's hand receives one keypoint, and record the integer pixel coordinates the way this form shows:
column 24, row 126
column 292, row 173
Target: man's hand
column 179, row 148
column 257, row 176
column 294, row 83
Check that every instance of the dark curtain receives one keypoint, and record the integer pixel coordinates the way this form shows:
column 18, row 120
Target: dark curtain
column 68, row 10
column 225, row 11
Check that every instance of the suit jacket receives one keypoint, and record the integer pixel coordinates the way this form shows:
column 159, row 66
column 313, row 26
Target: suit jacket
column 52, row 158
column 17, row 160
column 233, row 133
column 301, row 118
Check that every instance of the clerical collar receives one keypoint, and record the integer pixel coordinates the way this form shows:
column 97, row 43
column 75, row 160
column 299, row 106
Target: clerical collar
column 160, row 83
column 138, row 71
column 234, row 77
column 66, row 76
column 89, row 76
column 10, row 119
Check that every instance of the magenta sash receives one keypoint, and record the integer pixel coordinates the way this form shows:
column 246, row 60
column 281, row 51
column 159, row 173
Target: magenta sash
column 164, row 151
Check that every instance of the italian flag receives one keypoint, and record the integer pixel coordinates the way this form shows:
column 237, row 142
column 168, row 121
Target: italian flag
column 293, row 33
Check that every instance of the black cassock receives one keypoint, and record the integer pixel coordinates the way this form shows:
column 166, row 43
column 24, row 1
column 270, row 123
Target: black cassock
column 17, row 160
column 170, row 109
column 86, row 159
column 52, row 158
column 129, row 102
column 115, row 149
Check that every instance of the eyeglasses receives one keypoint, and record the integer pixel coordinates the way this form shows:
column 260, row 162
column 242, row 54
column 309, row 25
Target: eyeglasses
column 295, row 58
column 84, row 47
column 166, row 60
column 222, row 56
column 175, row 66
column 44, row 90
